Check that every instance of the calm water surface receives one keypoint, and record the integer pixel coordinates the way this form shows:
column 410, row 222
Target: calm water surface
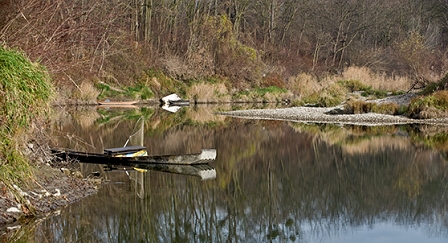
column 275, row 181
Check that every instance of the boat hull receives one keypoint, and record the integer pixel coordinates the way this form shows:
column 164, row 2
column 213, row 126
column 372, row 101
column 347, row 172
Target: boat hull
column 204, row 157
column 118, row 103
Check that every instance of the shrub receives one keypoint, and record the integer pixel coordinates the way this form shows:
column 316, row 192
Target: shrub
column 430, row 106
column 386, row 108
column 357, row 106
column 360, row 107
column 431, row 87
column 332, row 96
column 87, row 93
column 232, row 59
column 273, row 79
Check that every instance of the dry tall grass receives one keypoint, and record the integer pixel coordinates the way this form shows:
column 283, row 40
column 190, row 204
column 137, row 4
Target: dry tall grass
column 378, row 81
column 88, row 92
column 305, row 84
column 85, row 93
column 209, row 93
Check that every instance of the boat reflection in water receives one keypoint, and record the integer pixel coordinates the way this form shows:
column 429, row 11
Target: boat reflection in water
column 137, row 173
column 135, row 157
column 203, row 171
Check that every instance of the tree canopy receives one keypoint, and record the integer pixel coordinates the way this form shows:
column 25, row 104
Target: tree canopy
column 240, row 39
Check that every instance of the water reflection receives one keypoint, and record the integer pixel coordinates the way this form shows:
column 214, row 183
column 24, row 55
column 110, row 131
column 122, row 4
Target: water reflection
column 276, row 182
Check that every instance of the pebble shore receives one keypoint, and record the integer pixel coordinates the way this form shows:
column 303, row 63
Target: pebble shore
column 319, row 115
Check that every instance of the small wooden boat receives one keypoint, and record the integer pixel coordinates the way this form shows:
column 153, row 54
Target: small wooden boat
column 117, row 156
column 117, row 103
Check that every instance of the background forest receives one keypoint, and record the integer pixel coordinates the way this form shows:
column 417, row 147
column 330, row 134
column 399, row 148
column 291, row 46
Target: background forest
column 250, row 43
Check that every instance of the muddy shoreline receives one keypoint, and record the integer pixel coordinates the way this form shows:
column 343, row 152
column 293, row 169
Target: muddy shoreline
column 49, row 189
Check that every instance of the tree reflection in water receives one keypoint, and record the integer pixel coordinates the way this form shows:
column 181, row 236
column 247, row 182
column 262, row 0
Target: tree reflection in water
column 276, row 181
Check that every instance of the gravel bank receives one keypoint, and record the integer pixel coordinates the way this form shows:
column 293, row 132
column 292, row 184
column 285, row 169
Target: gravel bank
column 320, row 115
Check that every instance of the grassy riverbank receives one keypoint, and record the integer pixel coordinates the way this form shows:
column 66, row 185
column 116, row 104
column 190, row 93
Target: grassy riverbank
column 356, row 87
column 26, row 91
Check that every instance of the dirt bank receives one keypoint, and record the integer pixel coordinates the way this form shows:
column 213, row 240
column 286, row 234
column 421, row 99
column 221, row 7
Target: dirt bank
column 48, row 190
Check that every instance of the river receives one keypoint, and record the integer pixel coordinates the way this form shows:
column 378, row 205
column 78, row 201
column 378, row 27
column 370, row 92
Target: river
column 275, row 181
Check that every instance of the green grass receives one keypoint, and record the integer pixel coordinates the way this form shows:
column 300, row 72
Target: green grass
column 15, row 166
column 151, row 83
column 259, row 92
column 137, row 91
column 270, row 89
column 433, row 101
column 140, row 90
column 375, row 93
column 353, row 85
column 166, row 85
column 25, row 91
column 208, row 80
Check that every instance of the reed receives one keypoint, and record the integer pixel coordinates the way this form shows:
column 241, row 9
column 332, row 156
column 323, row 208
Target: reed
column 208, row 92
column 377, row 81
column 324, row 91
